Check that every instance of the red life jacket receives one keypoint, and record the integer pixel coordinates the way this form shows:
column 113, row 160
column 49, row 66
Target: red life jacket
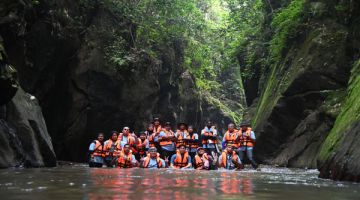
column 112, row 148
column 232, row 138
column 181, row 136
column 181, row 161
column 246, row 141
column 98, row 150
column 200, row 161
column 147, row 161
column 124, row 160
column 224, row 158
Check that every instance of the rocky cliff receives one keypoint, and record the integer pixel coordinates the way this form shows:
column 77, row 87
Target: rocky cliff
column 63, row 52
column 304, row 112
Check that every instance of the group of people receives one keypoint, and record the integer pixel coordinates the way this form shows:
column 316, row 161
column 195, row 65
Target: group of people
column 160, row 147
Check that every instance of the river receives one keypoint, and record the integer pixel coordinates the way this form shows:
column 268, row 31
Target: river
column 81, row 182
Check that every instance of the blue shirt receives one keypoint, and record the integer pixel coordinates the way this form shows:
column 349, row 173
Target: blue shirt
column 252, row 136
column 170, row 147
column 97, row 159
column 153, row 163
column 124, row 141
column 173, row 157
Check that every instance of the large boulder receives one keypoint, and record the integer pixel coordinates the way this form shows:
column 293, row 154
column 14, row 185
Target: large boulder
column 23, row 134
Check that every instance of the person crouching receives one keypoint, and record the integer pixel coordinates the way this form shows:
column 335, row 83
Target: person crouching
column 202, row 160
column 126, row 158
column 229, row 159
column 153, row 160
column 181, row 160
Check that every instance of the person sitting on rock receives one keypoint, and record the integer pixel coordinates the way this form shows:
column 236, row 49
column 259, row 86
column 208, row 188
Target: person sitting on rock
column 152, row 160
column 126, row 158
column 96, row 152
column 112, row 149
column 181, row 160
column 229, row 159
column 247, row 142
column 202, row 160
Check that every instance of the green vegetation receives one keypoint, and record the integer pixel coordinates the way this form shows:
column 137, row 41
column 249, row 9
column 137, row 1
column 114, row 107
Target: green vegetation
column 350, row 113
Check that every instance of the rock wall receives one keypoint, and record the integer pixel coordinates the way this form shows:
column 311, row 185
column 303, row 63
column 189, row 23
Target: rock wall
column 303, row 91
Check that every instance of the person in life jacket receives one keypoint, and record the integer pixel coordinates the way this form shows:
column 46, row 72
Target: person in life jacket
column 127, row 158
column 182, row 134
column 149, row 134
column 152, row 160
column 126, row 138
column 209, row 140
column 193, row 142
column 166, row 140
column 229, row 159
column 112, row 149
column 247, row 142
column 181, row 160
column 96, row 152
column 157, row 125
column 231, row 137
column 142, row 145
column 201, row 160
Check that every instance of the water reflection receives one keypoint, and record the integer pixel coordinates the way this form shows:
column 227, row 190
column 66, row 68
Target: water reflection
column 164, row 184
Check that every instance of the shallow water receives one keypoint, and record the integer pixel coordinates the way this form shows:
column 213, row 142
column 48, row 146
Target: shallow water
column 81, row 182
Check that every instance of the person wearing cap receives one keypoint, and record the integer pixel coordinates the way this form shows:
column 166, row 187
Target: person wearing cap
column 193, row 142
column 153, row 160
column 247, row 142
column 166, row 141
column 209, row 139
column 182, row 134
column 229, row 159
column 201, row 160
column 181, row 160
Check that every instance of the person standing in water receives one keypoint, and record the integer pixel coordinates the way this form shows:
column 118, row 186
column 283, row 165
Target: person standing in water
column 193, row 142
column 182, row 134
column 111, row 149
column 96, row 152
column 209, row 139
column 247, row 142
column 166, row 141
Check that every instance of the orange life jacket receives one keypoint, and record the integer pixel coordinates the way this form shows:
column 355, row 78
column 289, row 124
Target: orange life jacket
column 232, row 138
column 181, row 161
column 199, row 161
column 246, row 141
column 112, row 148
column 224, row 158
column 181, row 136
column 98, row 150
column 151, row 140
column 167, row 142
column 141, row 146
column 193, row 144
column 147, row 161
column 124, row 160
column 208, row 141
